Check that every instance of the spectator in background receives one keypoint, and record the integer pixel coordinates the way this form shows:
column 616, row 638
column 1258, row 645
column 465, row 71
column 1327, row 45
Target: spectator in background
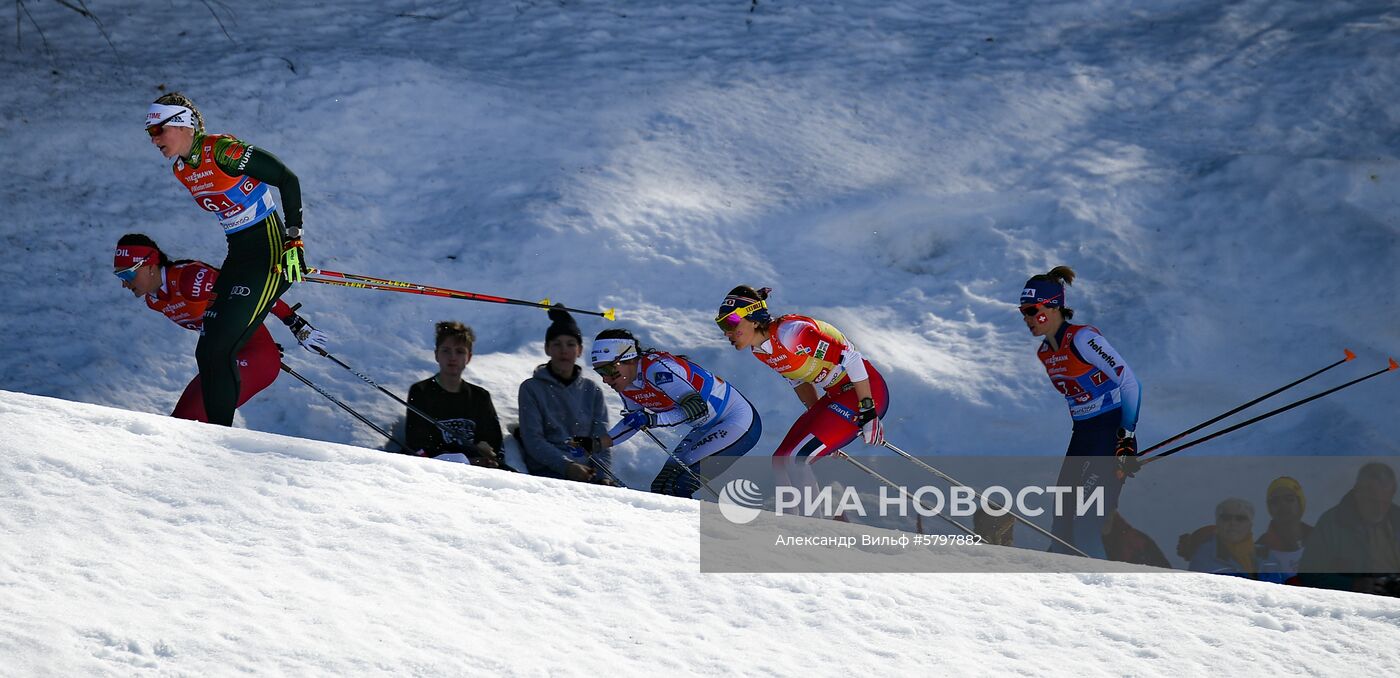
column 562, row 412
column 1283, row 541
column 1356, row 544
column 469, row 425
column 1233, row 550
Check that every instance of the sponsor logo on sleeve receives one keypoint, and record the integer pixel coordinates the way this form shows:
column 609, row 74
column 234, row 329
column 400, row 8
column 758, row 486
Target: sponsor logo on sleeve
column 1099, row 350
column 822, row 347
column 663, row 378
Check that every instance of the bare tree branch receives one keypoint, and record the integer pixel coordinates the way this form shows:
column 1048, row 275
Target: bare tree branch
column 216, row 16
column 83, row 10
column 19, row 5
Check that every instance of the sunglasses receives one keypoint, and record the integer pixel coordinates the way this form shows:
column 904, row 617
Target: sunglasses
column 156, row 129
column 1239, row 517
column 1031, row 310
column 128, row 274
column 729, row 321
column 609, row 370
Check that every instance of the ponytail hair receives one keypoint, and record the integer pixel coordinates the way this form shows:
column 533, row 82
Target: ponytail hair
column 1060, row 275
column 750, row 293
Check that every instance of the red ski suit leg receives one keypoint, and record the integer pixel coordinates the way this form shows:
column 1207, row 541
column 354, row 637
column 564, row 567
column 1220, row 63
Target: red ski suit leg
column 830, row 424
column 258, row 366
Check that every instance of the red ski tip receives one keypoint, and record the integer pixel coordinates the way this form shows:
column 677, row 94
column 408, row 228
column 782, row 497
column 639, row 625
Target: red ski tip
column 1394, row 365
column 1350, row 355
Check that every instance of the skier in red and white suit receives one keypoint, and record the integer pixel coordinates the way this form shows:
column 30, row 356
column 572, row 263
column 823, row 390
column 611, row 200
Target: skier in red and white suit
column 811, row 355
column 181, row 291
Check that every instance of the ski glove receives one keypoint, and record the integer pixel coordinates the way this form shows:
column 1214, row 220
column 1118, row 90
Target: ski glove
column 293, row 266
column 1126, row 453
column 870, row 428
column 310, row 338
column 588, row 445
column 636, row 419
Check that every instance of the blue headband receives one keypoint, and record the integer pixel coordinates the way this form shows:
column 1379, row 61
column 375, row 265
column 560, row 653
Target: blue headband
column 1047, row 293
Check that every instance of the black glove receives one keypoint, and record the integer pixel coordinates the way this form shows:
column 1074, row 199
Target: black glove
column 1126, row 452
column 869, row 422
column 866, row 413
column 588, row 445
column 310, row 338
column 295, row 323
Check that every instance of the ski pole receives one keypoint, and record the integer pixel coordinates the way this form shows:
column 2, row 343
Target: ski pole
column 343, row 406
column 693, row 473
column 985, row 501
column 607, row 470
column 904, row 491
column 1391, row 367
column 366, row 282
column 1349, row 357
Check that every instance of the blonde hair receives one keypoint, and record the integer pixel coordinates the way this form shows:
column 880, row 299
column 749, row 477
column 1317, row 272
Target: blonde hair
column 178, row 99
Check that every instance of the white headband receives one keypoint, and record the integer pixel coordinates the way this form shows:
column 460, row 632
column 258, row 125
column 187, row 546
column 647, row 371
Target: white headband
column 174, row 116
column 612, row 350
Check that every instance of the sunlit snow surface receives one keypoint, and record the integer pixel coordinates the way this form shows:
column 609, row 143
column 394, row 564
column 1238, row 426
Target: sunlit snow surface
column 135, row 544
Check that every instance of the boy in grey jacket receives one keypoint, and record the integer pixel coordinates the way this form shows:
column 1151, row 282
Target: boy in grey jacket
column 559, row 405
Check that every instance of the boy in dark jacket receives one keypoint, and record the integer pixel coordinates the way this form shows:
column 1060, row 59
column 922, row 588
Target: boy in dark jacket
column 465, row 411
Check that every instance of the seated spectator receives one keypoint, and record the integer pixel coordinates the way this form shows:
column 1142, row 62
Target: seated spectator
column 562, row 416
column 1356, row 544
column 469, row 426
column 1283, row 541
column 1233, row 550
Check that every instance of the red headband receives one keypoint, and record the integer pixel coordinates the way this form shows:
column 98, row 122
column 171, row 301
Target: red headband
column 128, row 255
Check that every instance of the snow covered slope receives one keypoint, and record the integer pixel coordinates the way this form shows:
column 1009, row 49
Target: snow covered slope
column 132, row 544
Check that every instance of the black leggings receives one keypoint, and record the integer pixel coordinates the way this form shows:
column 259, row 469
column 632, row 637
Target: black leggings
column 247, row 285
column 1089, row 463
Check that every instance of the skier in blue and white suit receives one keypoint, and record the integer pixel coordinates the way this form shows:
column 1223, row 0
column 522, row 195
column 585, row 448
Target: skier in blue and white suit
column 1103, row 396
column 659, row 389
